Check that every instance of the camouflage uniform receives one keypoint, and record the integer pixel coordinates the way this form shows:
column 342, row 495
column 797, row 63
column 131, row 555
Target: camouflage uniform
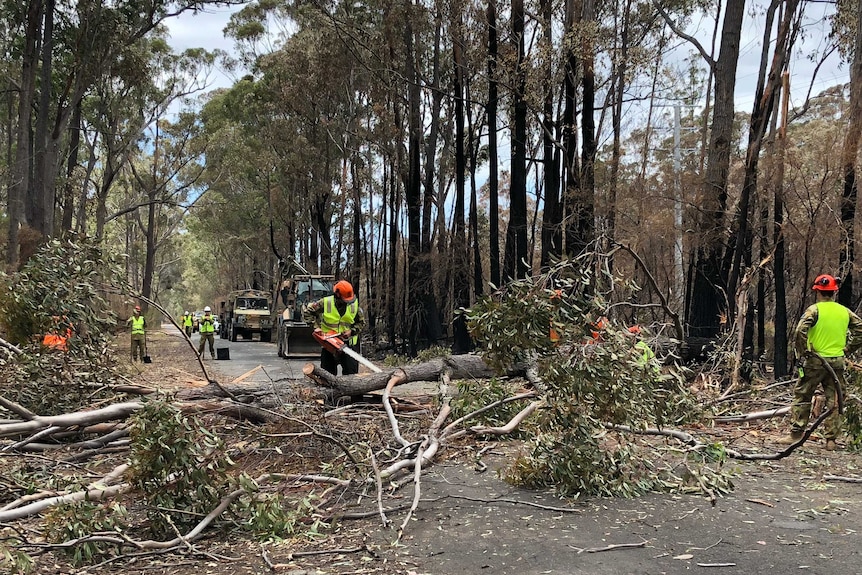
column 331, row 310
column 814, row 373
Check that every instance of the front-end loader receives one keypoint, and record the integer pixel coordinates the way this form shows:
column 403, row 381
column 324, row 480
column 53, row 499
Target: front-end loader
column 298, row 289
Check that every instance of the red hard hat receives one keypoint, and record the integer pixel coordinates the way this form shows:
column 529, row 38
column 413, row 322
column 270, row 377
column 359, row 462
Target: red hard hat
column 137, row 308
column 826, row 282
column 635, row 329
column 344, row 291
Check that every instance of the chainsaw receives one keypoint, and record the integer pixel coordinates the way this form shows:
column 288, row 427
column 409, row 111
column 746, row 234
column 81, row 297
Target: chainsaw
column 333, row 343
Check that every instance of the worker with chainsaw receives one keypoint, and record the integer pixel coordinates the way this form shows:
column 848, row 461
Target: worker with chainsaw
column 821, row 342
column 207, row 331
column 138, row 323
column 338, row 314
column 188, row 322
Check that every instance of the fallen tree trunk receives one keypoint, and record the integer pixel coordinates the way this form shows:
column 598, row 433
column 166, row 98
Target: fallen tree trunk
column 328, row 386
column 467, row 366
column 119, row 411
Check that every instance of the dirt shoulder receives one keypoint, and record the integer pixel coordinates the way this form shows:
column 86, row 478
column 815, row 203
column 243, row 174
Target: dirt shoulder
column 782, row 517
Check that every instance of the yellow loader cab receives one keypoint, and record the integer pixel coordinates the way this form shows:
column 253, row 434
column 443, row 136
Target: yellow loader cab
column 294, row 333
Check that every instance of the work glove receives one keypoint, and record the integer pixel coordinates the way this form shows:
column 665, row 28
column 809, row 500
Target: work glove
column 345, row 335
column 800, row 363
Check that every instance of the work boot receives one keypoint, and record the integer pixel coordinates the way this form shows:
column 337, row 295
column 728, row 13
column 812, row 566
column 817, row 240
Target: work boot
column 790, row 439
column 830, row 445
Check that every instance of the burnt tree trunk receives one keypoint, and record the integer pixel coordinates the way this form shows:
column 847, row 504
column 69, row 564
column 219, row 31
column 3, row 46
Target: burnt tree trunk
column 849, row 154
column 709, row 300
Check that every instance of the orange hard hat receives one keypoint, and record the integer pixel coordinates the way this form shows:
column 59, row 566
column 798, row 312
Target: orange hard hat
column 635, row 329
column 344, row 291
column 826, row 282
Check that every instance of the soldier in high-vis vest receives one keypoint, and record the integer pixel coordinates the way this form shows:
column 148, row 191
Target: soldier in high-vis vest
column 821, row 335
column 188, row 323
column 339, row 313
column 207, row 331
column 138, row 323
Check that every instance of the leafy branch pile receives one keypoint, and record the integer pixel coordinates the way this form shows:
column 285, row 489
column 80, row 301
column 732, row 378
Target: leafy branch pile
column 63, row 288
column 595, row 377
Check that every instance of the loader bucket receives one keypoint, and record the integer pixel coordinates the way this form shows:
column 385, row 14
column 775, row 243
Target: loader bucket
column 296, row 341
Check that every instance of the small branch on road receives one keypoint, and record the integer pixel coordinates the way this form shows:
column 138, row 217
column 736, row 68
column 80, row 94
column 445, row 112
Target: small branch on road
column 512, row 501
column 842, row 478
column 294, row 555
column 610, row 547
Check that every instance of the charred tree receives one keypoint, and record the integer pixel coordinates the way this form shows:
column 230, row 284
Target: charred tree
column 849, row 153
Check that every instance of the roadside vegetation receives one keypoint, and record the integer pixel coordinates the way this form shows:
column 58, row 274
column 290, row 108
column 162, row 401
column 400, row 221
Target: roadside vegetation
column 591, row 417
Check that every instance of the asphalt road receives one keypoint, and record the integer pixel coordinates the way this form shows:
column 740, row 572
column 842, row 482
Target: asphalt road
column 246, row 356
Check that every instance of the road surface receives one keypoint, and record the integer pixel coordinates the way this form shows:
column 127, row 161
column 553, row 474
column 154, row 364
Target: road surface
column 247, row 355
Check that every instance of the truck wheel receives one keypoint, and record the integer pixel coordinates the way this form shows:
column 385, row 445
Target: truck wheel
column 266, row 336
column 233, row 332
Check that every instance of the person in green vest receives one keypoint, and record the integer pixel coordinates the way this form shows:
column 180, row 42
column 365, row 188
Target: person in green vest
column 821, row 336
column 138, row 323
column 207, row 331
column 645, row 355
column 339, row 313
column 187, row 323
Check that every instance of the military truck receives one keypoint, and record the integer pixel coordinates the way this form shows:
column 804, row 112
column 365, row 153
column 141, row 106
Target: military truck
column 245, row 313
column 297, row 289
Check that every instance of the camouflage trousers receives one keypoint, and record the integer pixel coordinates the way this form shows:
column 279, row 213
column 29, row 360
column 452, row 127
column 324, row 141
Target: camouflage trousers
column 207, row 338
column 139, row 346
column 814, row 374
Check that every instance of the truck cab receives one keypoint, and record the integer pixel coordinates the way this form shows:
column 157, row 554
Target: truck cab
column 245, row 313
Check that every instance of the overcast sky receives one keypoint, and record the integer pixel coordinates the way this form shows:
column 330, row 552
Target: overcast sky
column 204, row 30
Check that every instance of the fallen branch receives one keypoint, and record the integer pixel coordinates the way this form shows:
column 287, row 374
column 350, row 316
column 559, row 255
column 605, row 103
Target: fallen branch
column 842, row 478
column 430, row 442
column 295, row 554
column 513, row 423
column 417, row 490
column 511, row 501
column 790, row 448
column 751, row 416
column 682, row 436
column 39, row 506
column 695, row 444
column 17, row 409
column 610, row 547
column 760, row 502
column 448, row 430
column 78, row 418
column 11, row 347
column 396, row 378
column 38, row 435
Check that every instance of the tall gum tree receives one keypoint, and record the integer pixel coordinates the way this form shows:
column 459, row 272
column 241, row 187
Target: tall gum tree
column 849, row 156
column 78, row 41
column 515, row 260
column 708, row 301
